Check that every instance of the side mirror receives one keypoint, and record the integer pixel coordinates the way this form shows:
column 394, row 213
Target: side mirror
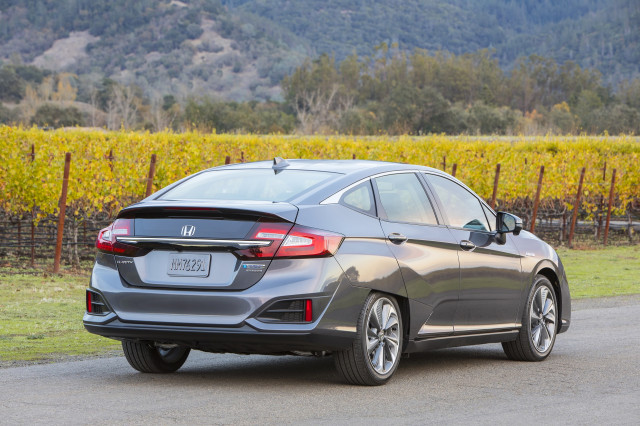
column 506, row 222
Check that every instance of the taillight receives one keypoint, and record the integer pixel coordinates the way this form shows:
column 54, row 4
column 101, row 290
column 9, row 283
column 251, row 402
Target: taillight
column 309, row 242
column 274, row 232
column 298, row 241
column 108, row 243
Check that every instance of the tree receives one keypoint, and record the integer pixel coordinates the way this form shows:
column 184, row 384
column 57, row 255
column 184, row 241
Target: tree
column 11, row 85
column 55, row 116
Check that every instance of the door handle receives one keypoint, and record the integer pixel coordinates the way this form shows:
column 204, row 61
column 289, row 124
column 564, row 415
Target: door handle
column 467, row 245
column 396, row 238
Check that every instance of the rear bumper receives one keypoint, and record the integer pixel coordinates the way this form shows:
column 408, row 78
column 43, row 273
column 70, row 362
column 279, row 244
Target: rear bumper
column 227, row 321
column 243, row 339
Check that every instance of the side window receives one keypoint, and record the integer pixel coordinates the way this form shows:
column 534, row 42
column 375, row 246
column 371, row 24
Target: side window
column 462, row 208
column 360, row 198
column 404, row 200
column 491, row 217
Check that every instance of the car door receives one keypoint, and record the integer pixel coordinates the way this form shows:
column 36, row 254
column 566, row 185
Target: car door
column 490, row 273
column 425, row 249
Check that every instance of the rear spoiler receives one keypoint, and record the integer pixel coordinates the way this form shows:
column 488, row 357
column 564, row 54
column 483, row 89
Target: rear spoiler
column 278, row 210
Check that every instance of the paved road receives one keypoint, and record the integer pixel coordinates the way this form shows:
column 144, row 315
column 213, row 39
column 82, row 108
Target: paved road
column 592, row 377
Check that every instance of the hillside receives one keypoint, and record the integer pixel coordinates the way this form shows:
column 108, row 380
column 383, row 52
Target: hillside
column 241, row 49
column 162, row 46
column 602, row 34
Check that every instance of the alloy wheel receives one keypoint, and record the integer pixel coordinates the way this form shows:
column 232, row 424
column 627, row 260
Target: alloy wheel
column 382, row 338
column 542, row 319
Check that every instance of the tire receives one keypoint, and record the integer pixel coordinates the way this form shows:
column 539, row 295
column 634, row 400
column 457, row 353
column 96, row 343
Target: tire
column 539, row 324
column 375, row 353
column 147, row 358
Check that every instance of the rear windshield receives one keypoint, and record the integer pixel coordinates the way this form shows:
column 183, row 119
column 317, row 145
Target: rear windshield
column 248, row 185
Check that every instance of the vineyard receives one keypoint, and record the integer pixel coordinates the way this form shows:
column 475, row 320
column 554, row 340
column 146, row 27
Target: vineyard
column 109, row 170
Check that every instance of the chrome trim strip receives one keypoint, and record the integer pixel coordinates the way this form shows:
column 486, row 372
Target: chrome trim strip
column 428, row 329
column 484, row 328
column 193, row 242
column 335, row 198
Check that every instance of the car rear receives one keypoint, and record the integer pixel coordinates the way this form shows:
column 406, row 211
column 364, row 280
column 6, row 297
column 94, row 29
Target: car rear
column 218, row 263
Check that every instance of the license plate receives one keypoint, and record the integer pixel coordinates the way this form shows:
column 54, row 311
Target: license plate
column 189, row 265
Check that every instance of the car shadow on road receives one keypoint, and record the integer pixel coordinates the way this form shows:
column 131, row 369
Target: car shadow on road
column 258, row 371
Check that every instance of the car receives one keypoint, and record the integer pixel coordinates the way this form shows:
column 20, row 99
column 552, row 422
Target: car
column 365, row 261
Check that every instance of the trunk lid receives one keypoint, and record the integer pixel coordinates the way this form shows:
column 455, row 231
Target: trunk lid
column 198, row 245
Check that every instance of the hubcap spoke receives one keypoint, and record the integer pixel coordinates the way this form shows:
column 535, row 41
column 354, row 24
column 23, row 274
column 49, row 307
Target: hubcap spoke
column 392, row 321
column 371, row 345
column 535, row 335
column 378, row 358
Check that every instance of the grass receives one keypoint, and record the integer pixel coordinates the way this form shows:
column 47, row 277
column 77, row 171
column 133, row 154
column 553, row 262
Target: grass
column 614, row 271
column 41, row 317
column 41, row 313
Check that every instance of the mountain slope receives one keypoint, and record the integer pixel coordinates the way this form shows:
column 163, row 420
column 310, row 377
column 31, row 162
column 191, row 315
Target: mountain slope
column 241, row 49
column 604, row 34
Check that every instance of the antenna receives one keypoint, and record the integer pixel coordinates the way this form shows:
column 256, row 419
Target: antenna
column 279, row 163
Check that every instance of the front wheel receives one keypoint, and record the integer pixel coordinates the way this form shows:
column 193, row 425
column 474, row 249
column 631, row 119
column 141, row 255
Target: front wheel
column 375, row 353
column 147, row 358
column 539, row 324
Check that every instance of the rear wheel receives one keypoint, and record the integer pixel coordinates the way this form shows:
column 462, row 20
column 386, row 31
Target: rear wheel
column 375, row 353
column 147, row 358
column 539, row 324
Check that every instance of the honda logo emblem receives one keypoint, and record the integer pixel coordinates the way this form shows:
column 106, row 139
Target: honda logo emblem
column 188, row 231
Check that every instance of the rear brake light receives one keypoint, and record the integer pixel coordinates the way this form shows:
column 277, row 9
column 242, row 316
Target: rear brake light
column 308, row 242
column 275, row 232
column 286, row 241
column 107, row 238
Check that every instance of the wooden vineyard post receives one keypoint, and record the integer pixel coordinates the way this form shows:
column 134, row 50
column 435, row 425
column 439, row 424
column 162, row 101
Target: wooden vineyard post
column 601, row 205
column 63, row 209
column 33, row 214
column 606, row 226
column 227, row 160
column 495, row 187
column 353, row 157
column 536, row 203
column 152, row 172
column 453, row 171
column 576, row 208
column 444, row 163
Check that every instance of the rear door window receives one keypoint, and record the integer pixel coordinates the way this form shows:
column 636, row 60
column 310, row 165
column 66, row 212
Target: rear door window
column 404, row 200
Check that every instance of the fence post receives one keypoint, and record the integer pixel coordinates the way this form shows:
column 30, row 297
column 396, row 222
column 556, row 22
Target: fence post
column 444, row 163
column 242, row 156
column 537, row 200
column 110, row 158
column 33, row 230
column 227, row 160
column 576, row 207
column 63, row 209
column 495, row 187
column 601, row 206
column 152, row 172
column 606, row 226
column 353, row 157
column 453, row 171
